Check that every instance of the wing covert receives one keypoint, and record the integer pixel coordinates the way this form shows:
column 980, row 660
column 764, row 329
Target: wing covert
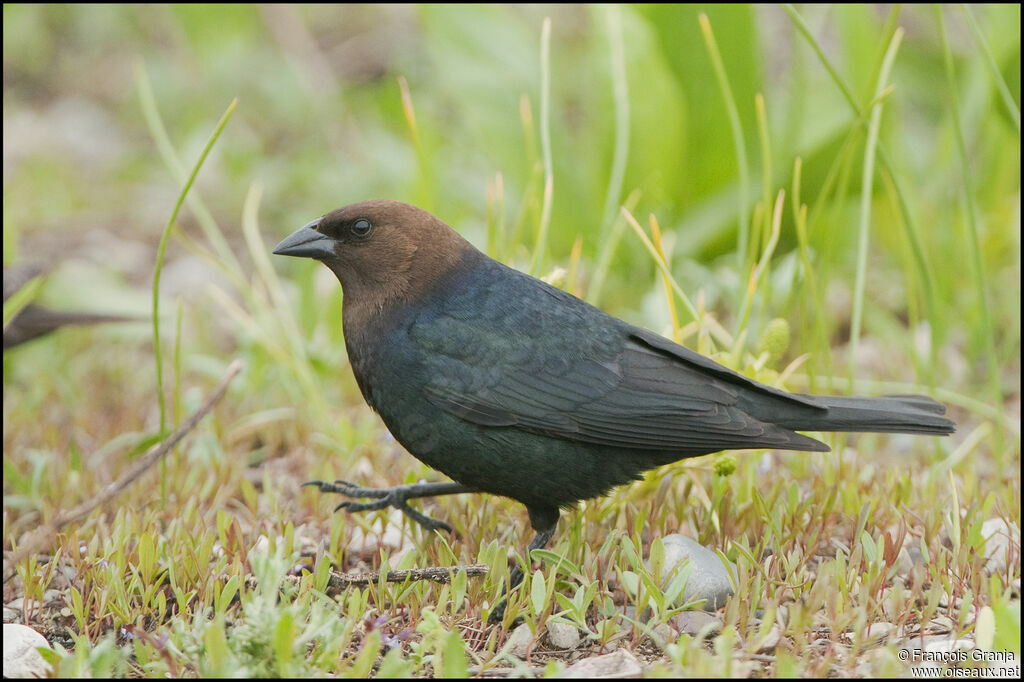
column 631, row 396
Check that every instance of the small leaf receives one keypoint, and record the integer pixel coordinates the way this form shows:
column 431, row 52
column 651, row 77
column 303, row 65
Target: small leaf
column 284, row 636
column 216, row 649
column 458, row 590
column 631, row 581
column 453, row 656
column 395, row 667
column 322, row 575
column 362, row 666
column 77, row 608
column 985, row 628
column 656, row 559
column 1007, row 626
column 147, row 557
column 537, row 592
column 21, row 298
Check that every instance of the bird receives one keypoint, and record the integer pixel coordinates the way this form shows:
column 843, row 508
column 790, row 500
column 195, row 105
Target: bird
column 34, row 320
column 513, row 387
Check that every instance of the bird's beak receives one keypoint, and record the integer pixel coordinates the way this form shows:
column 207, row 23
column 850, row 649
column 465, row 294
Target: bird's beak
column 306, row 242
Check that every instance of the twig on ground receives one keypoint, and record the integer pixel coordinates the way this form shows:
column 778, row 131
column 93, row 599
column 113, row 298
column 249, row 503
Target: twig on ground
column 438, row 574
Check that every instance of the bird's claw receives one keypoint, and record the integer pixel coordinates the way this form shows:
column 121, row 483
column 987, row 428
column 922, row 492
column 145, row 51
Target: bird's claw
column 396, row 497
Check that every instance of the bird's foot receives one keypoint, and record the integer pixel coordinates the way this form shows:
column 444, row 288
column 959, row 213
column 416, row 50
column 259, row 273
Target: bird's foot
column 396, row 497
column 516, row 575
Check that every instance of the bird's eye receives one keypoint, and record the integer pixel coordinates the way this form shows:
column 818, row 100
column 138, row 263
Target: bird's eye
column 361, row 227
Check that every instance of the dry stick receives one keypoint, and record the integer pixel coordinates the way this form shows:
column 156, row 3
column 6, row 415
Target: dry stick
column 480, row 671
column 438, row 574
column 34, row 541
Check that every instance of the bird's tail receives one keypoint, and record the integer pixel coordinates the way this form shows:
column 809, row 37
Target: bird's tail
column 886, row 414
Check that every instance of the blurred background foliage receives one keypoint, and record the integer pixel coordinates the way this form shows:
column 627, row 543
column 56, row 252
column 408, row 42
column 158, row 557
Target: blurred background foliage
column 321, row 123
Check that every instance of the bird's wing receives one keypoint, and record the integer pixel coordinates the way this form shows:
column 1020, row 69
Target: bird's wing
column 596, row 380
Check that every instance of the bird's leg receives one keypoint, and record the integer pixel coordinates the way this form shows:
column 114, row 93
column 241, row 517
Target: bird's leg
column 516, row 576
column 396, row 497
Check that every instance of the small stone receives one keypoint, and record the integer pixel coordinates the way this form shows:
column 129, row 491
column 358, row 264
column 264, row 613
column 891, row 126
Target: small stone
column 940, row 624
column 616, row 665
column 261, row 546
column 869, row 661
column 771, row 640
column 519, row 641
column 563, row 635
column 665, row 633
column 907, row 631
column 999, row 536
column 916, row 556
column 904, row 563
column 697, row 623
column 880, row 632
column 23, row 606
column 709, row 577
column 946, row 644
column 21, row 659
column 391, row 537
column 894, row 599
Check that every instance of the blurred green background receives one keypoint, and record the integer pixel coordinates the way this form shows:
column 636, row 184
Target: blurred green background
column 320, row 121
column 636, row 114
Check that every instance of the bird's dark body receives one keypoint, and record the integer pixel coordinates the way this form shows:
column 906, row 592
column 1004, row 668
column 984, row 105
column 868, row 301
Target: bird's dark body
column 509, row 385
column 513, row 387
column 403, row 360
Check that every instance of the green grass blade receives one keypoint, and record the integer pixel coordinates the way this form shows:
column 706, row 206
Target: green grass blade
column 21, row 298
column 660, row 262
column 997, row 76
column 540, row 247
column 971, row 212
column 759, row 268
column 162, row 251
column 294, row 356
column 910, row 226
column 225, row 255
column 620, row 94
column 608, row 246
column 426, row 189
column 805, row 31
column 867, row 183
column 743, row 239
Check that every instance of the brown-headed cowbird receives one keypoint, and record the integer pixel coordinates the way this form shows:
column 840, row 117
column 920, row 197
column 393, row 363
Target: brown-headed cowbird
column 35, row 320
column 513, row 387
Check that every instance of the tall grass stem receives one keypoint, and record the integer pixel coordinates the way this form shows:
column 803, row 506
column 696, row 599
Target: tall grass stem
column 973, row 234
column 545, row 144
column 866, row 197
column 736, row 127
column 162, row 252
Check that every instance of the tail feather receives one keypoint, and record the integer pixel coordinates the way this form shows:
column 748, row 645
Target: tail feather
column 886, row 414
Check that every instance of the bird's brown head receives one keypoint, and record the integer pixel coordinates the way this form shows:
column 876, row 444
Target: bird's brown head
column 381, row 251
